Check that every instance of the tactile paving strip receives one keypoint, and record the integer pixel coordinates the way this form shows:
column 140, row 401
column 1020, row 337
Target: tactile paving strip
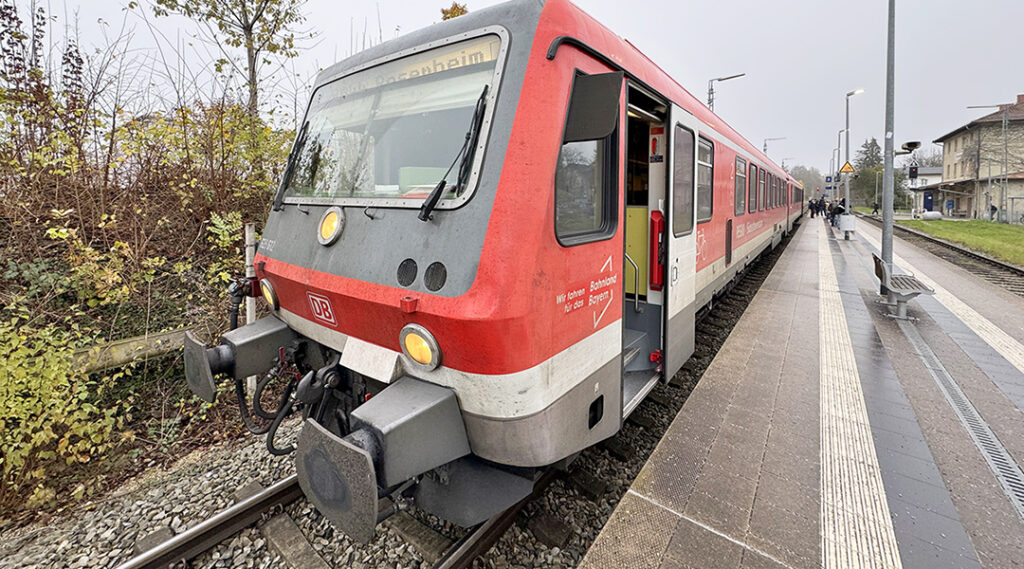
column 856, row 527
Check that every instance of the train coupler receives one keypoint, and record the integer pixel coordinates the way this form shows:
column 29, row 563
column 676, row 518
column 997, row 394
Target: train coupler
column 407, row 429
column 248, row 350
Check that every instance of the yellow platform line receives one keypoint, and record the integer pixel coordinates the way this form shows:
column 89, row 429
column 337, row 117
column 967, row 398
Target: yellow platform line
column 1006, row 345
column 856, row 527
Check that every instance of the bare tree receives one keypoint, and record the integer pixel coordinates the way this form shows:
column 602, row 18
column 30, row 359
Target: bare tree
column 260, row 27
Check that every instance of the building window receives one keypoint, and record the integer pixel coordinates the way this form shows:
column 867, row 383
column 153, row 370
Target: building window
column 682, row 182
column 705, row 180
column 740, row 187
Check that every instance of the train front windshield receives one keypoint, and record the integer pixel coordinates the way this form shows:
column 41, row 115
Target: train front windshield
column 387, row 135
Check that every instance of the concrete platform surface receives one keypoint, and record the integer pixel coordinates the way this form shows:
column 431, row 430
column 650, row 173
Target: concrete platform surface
column 827, row 434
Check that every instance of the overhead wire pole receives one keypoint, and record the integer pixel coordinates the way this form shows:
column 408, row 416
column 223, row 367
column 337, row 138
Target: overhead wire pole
column 887, row 181
column 1004, row 181
column 764, row 145
column 711, row 88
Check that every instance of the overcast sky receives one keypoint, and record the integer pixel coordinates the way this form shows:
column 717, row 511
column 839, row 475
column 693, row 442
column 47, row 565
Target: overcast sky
column 801, row 57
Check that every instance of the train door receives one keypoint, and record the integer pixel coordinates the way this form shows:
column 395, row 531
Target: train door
column 681, row 261
column 644, row 245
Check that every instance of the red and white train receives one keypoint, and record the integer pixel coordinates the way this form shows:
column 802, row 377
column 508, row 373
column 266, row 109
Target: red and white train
column 491, row 241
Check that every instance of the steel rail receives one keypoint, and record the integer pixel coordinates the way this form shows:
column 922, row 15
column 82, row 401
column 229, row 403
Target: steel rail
column 207, row 534
column 959, row 249
column 478, row 541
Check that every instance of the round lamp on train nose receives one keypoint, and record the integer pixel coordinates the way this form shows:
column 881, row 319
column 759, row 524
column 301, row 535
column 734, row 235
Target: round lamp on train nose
column 331, row 224
column 268, row 294
column 420, row 346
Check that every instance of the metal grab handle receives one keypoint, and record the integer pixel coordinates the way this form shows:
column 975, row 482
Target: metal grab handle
column 636, row 284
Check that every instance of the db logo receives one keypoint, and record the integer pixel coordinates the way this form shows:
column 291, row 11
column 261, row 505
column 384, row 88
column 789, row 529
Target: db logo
column 321, row 308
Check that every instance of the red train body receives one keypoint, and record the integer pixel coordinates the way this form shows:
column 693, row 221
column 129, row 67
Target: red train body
column 598, row 208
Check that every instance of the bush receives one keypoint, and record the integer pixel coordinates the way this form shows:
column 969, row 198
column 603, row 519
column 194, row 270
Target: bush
column 48, row 418
column 118, row 217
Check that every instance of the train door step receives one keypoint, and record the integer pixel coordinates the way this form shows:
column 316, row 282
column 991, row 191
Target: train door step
column 635, row 386
column 633, row 343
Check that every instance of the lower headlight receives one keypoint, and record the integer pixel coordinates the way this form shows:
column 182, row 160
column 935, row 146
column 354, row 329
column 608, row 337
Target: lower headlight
column 420, row 346
column 268, row 294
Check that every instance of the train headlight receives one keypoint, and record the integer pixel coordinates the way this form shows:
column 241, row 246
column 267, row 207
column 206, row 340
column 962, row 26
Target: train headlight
column 268, row 294
column 420, row 346
column 331, row 224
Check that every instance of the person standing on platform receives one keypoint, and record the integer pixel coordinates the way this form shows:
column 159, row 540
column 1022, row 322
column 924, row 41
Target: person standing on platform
column 810, row 207
column 875, row 211
column 840, row 209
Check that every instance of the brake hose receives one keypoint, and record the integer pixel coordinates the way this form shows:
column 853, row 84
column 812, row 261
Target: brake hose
column 243, row 410
column 257, row 404
column 282, row 412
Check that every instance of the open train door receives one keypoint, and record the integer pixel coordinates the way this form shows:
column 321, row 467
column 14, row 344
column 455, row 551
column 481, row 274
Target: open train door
column 681, row 261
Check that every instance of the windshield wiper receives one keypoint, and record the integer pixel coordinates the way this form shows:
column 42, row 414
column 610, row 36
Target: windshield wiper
column 290, row 167
column 465, row 153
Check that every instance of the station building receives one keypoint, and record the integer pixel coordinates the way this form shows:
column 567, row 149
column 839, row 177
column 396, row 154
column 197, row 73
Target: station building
column 982, row 170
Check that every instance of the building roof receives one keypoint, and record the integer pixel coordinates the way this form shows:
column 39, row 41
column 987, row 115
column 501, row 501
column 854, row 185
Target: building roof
column 1014, row 112
column 950, row 183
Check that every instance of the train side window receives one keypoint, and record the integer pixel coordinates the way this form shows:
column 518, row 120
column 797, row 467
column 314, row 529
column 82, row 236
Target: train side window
column 760, row 189
column 773, row 200
column 705, row 180
column 585, row 174
column 682, row 181
column 752, row 190
column 583, row 190
column 741, row 186
column 770, row 192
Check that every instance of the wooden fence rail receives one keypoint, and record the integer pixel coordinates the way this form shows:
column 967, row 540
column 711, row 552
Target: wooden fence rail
column 121, row 352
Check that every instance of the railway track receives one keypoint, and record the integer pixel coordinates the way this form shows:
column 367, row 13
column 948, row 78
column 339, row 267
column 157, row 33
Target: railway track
column 628, row 450
column 1002, row 274
column 189, row 544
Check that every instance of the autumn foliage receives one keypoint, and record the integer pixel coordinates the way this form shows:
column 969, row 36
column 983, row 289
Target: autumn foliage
column 116, row 219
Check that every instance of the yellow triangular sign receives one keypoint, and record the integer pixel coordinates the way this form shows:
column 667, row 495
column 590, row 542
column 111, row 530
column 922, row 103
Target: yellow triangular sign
column 846, row 169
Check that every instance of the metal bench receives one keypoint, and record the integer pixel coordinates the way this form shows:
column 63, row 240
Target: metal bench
column 901, row 288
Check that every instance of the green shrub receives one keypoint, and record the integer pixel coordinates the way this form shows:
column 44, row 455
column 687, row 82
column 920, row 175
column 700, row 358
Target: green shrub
column 48, row 417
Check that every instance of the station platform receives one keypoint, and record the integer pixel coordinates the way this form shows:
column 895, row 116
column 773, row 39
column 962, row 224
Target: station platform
column 826, row 433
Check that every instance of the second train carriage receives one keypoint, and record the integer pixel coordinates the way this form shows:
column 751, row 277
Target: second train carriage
column 492, row 239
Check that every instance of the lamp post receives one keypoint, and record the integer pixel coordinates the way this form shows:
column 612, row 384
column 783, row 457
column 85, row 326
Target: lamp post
column 764, row 145
column 787, row 158
column 888, row 188
column 839, row 150
column 711, row 88
column 847, row 222
column 1002, row 194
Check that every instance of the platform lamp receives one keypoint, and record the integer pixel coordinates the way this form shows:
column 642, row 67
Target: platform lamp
column 711, row 88
column 838, row 151
column 847, row 222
